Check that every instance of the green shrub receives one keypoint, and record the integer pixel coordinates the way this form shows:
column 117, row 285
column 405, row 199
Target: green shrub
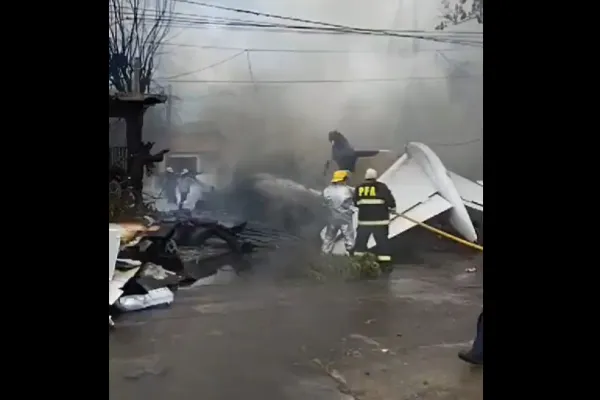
column 327, row 268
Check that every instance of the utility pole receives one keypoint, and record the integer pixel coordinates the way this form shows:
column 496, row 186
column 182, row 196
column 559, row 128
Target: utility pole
column 393, row 41
column 137, row 75
column 415, row 24
column 169, row 109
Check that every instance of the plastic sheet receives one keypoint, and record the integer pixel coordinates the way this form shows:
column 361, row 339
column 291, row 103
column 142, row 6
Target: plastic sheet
column 156, row 297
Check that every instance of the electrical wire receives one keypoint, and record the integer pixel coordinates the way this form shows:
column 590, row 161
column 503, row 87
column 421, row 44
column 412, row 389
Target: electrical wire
column 175, row 22
column 287, row 18
column 298, row 29
column 277, row 28
column 308, row 51
column 203, row 17
column 223, row 61
column 331, row 28
column 291, row 81
column 455, row 143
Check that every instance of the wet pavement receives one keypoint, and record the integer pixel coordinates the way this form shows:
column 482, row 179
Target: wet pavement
column 383, row 340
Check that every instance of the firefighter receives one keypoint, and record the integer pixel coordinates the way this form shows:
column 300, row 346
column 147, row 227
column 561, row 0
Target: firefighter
column 375, row 202
column 186, row 180
column 339, row 201
column 170, row 186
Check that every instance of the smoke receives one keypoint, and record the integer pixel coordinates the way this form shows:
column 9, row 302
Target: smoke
column 282, row 128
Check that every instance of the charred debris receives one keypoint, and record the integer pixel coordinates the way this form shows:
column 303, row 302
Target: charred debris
column 180, row 249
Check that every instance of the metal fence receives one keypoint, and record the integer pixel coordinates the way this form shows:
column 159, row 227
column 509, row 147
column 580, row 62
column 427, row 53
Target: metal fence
column 117, row 156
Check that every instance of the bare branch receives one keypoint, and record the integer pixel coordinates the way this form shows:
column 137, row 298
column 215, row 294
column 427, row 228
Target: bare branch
column 457, row 12
column 137, row 28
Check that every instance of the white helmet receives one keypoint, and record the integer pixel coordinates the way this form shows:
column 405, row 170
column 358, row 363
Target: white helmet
column 371, row 174
column 169, row 169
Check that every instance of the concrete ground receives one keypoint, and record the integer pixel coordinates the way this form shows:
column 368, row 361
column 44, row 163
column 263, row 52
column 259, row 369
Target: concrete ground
column 385, row 340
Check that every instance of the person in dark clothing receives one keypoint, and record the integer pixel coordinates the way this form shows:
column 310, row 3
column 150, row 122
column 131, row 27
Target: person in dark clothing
column 170, row 186
column 475, row 354
column 375, row 201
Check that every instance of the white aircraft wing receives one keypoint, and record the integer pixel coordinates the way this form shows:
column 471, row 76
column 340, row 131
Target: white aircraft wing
column 469, row 191
column 414, row 194
column 421, row 212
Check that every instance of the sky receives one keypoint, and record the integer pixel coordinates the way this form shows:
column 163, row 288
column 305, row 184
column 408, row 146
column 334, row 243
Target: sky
column 428, row 92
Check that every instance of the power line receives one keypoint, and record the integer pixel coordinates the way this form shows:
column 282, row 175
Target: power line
column 204, row 17
column 223, row 61
column 261, row 82
column 326, row 28
column 456, row 143
column 270, row 27
column 309, row 51
column 254, row 81
column 299, row 29
column 385, row 32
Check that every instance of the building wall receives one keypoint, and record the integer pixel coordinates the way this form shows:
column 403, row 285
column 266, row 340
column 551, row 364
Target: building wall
column 206, row 148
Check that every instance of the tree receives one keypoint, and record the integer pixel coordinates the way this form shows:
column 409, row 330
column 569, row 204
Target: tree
column 136, row 28
column 456, row 12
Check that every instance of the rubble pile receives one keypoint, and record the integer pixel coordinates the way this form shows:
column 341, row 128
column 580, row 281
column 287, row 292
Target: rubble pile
column 152, row 260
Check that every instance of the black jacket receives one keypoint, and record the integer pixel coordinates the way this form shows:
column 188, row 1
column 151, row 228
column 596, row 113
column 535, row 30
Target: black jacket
column 374, row 201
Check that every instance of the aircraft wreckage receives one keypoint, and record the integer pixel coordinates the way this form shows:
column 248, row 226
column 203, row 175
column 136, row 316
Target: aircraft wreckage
column 420, row 182
column 149, row 260
column 423, row 189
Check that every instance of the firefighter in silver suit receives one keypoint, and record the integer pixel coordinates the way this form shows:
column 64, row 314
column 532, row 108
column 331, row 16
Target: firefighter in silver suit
column 339, row 201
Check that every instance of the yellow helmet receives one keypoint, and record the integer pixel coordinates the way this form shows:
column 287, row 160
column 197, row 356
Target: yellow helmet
column 339, row 176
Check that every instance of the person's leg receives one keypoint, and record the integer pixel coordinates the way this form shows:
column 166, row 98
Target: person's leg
column 349, row 236
column 478, row 343
column 172, row 196
column 362, row 237
column 184, row 196
column 475, row 355
column 329, row 238
column 380, row 234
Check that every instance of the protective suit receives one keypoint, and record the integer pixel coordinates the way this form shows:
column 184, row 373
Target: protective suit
column 339, row 200
column 184, row 185
column 170, row 186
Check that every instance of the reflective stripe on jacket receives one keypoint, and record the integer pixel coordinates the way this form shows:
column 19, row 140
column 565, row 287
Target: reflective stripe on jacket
column 374, row 201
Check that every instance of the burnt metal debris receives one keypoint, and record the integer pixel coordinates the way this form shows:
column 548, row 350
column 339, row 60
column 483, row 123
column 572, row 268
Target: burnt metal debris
column 179, row 249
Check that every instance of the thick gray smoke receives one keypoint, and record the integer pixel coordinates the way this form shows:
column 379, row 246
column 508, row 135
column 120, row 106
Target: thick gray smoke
column 434, row 96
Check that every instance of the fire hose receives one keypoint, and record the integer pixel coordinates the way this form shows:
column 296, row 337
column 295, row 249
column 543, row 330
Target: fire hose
column 440, row 232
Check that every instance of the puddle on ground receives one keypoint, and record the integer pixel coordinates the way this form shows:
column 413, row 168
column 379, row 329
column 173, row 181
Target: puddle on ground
column 223, row 276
